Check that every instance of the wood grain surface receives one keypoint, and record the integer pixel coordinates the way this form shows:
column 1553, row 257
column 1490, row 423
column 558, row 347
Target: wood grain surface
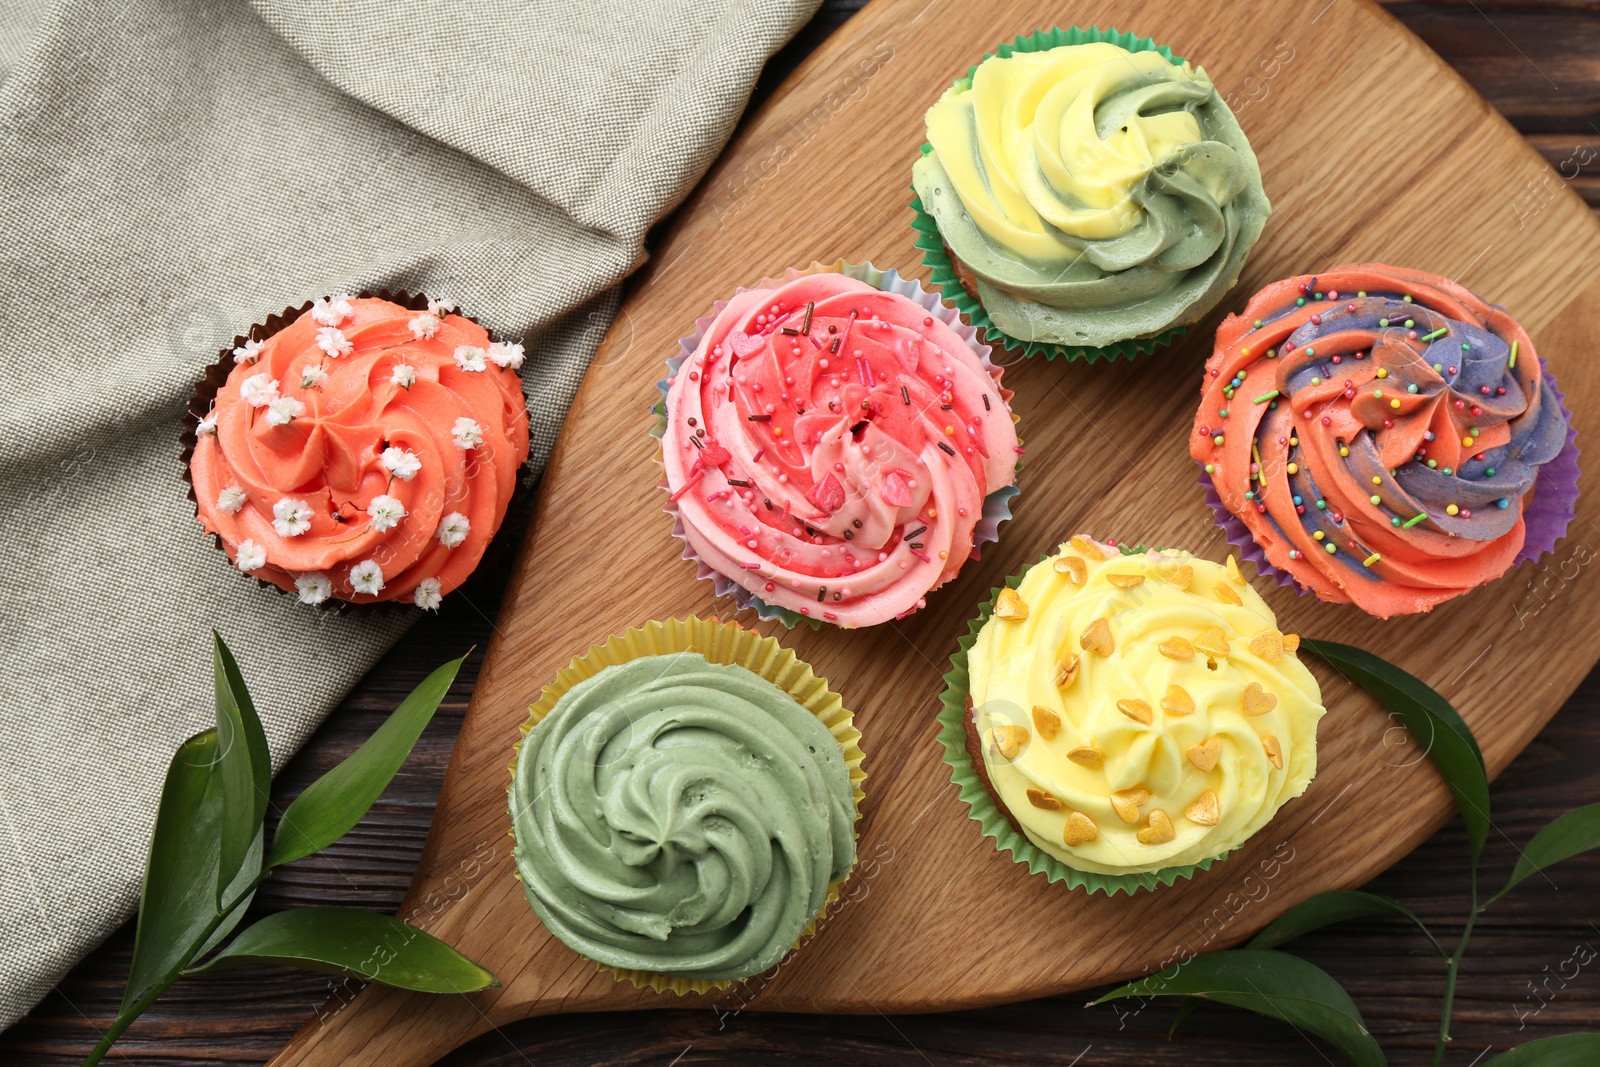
column 1398, row 998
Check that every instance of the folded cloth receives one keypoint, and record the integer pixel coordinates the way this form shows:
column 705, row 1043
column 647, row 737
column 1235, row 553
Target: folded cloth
column 175, row 170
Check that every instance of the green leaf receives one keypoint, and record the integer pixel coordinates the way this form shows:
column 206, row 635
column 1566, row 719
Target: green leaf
column 1576, row 831
column 1564, row 1050
column 1430, row 719
column 237, row 897
column 178, row 900
column 1269, row 983
column 1324, row 909
column 244, row 766
column 334, row 803
column 360, row 944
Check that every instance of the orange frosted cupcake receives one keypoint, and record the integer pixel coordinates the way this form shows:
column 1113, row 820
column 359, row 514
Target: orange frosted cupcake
column 363, row 449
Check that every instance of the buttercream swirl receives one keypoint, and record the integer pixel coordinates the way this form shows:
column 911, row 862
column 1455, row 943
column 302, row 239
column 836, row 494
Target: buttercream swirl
column 1378, row 430
column 829, row 447
column 1139, row 712
column 365, row 451
column 1095, row 194
column 681, row 817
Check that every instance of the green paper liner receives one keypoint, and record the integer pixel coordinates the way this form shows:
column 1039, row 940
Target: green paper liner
column 981, row 803
column 937, row 260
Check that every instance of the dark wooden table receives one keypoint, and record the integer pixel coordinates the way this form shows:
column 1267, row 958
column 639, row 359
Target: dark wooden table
column 1538, row 61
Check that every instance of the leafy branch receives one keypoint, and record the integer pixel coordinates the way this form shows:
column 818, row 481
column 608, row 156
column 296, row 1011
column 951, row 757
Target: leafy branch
column 208, row 858
column 1269, row 982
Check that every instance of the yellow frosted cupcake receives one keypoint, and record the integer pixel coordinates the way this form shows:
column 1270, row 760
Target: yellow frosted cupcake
column 1130, row 715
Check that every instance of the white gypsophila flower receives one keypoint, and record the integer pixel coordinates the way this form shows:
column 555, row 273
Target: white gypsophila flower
column 250, row 556
column 258, row 390
column 507, row 354
column 400, row 463
column 248, row 352
column 403, row 375
column 312, row 376
column 470, row 357
column 427, row 595
column 206, row 426
column 284, row 410
column 313, row 587
column 332, row 311
column 453, row 529
column 367, row 577
column 466, row 434
column 441, row 307
column 386, row 512
column 291, row 517
column 332, row 340
column 231, row 499
column 424, row 326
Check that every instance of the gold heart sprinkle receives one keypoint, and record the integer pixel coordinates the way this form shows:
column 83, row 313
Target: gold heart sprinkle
column 1177, row 648
column 1087, row 756
column 1040, row 799
column 1136, row 709
column 1008, row 605
column 1268, row 644
column 1125, row 802
column 1177, row 701
column 1008, row 740
column 1274, row 750
column 1072, row 567
column 1158, row 831
column 1257, row 701
column 1225, row 593
column 1126, row 581
column 1047, row 722
column 1066, row 671
column 1205, row 811
column 1204, row 754
column 1291, row 642
column 1079, row 829
column 1176, row 574
column 1233, row 571
column 1087, row 547
column 1211, row 641
column 1096, row 638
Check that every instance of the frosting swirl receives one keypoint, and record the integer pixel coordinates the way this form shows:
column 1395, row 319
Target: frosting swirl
column 829, row 447
column 1378, row 430
column 365, row 451
column 681, row 817
column 1139, row 712
column 1095, row 194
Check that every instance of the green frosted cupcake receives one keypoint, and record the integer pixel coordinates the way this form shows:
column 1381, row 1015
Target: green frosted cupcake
column 684, row 804
column 1087, row 192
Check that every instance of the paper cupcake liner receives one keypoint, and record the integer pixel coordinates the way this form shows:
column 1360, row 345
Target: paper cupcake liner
column 1555, row 503
column 937, row 259
column 726, row 643
column 216, row 375
column 981, row 804
column 996, row 506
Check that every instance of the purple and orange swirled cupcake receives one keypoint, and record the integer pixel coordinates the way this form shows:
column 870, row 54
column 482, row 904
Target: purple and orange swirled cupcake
column 1385, row 437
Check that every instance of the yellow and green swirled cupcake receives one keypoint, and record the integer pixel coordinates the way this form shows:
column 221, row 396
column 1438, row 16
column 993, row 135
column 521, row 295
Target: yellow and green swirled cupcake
column 1118, row 720
column 1088, row 192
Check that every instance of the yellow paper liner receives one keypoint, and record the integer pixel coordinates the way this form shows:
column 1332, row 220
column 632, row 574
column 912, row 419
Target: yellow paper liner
column 733, row 645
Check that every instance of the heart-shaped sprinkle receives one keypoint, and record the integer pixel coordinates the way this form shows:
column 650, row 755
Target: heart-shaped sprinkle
column 1204, row 754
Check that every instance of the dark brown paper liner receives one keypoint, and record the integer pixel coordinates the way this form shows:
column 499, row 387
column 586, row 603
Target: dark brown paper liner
column 501, row 546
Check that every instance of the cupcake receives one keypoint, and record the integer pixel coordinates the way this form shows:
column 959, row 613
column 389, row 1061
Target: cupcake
column 1085, row 192
column 362, row 449
column 1384, row 437
column 684, row 803
column 836, row 445
column 1120, row 719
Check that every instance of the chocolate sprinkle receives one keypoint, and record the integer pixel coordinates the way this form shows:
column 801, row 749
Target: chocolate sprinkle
column 805, row 324
column 822, row 591
column 986, row 402
column 740, row 482
column 916, row 544
column 946, row 407
column 947, row 448
column 696, row 442
column 834, row 347
column 918, row 530
column 790, row 330
column 906, row 396
column 758, row 418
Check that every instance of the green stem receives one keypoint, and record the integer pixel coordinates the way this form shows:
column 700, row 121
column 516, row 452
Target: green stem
column 1452, row 972
column 126, row 1017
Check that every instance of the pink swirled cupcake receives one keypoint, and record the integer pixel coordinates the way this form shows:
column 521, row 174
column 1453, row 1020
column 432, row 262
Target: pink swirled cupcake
column 836, row 445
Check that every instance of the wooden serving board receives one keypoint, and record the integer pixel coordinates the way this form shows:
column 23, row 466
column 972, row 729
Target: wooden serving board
column 1372, row 149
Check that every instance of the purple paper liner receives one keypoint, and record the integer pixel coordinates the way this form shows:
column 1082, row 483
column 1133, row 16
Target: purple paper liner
column 1545, row 520
column 996, row 506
